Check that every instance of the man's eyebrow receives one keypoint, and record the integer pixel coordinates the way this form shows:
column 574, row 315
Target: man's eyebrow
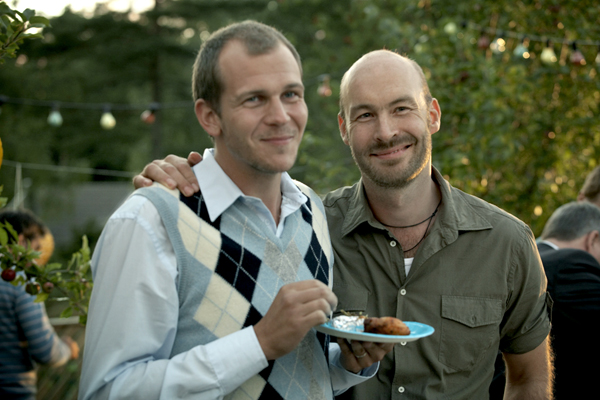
column 406, row 99
column 359, row 107
column 294, row 85
column 366, row 106
column 258, row 92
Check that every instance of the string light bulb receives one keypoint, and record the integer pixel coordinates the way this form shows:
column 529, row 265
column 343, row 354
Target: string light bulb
column 324, row 89
column 577, row 57
column 148, row 116
column 107, row 121
column 499, row 44
column 548, row 55
column 54, row 118
column 450, row 28
column 522, row 49
column 598, row 57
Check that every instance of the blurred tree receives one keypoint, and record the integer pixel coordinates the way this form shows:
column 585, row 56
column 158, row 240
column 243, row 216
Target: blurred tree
column 517, row 132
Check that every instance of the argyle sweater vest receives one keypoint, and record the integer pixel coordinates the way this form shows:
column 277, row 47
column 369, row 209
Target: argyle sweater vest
column 229, row 272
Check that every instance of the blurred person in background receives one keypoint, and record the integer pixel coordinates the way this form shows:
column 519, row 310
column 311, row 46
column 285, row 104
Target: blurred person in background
column 26, row 336
column 590, row 190
column 570, row 252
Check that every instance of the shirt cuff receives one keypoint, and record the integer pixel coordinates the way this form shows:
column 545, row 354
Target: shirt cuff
column 341, row 378
column 236, row 358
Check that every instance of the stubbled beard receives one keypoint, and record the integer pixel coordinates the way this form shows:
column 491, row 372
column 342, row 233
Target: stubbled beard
column 256, row 161
column 390, row 177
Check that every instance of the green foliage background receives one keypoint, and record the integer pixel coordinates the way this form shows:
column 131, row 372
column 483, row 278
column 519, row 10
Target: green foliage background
column 518, row 133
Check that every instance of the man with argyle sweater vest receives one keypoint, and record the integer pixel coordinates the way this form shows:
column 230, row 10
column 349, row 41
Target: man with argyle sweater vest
column 217, row 295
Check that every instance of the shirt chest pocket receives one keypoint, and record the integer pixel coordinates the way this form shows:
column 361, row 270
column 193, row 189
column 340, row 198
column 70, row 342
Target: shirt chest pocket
column 470, row 325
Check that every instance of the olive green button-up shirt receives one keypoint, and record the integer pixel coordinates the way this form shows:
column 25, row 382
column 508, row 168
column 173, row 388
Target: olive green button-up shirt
column 477, row 279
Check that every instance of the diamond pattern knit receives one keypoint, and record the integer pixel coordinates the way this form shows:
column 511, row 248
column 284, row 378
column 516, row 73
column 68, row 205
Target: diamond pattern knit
column 229, row 273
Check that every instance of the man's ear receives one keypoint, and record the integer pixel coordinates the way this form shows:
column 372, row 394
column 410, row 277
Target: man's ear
column 591, row 240
column 208, row 118
column 580, row 196
column 435, row 117
column 343, row 130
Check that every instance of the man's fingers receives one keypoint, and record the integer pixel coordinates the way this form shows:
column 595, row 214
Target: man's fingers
column 153, row 173
column 377, row 350
column 194, row 158
column 163, row 173
column 139, row 182
column 316, row 317
column 308, row 291
column 358, row 349
column 325, row 299
column 180, row 170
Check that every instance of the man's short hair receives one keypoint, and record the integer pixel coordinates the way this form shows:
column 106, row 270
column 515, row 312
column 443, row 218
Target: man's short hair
column 424, row 85
column 591, row 186
column 258, row 39
column 571, row 221
column 24, row 222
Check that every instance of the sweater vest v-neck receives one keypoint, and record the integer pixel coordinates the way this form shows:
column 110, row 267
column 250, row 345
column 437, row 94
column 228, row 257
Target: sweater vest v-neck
column 229, row 272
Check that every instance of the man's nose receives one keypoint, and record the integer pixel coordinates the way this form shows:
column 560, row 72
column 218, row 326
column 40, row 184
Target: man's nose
column 277, row 113
column 386, row 128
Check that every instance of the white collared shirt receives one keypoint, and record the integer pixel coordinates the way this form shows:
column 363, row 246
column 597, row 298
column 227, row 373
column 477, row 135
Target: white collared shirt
column 220, row 193
column 549, row 243
column 133, row 312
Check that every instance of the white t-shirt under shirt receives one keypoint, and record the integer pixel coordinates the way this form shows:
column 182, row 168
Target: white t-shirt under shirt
column 407, row 264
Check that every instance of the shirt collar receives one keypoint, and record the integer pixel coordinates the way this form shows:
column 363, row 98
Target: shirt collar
column 220, row 192
column 550, row 244
column 455, row 213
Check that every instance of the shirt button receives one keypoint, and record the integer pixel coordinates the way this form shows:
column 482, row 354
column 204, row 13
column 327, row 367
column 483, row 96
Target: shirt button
column 402, row 292
column 393, row 243
column 403, row 343
column 401, row 389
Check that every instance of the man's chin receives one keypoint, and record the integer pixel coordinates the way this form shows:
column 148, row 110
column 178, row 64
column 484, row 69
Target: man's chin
column 276, row 167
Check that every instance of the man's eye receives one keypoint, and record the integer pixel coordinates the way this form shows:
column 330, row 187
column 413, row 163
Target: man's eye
column 364, row 116
column 291, row 95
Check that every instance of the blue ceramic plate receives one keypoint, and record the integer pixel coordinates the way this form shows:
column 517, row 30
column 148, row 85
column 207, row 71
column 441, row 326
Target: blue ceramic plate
column 417, row 331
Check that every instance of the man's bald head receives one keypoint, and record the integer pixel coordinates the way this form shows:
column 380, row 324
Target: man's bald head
column 366, row 63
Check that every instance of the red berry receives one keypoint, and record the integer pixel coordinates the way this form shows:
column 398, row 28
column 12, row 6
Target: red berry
column 9, row 275
column 47, row 287
column 32, row 288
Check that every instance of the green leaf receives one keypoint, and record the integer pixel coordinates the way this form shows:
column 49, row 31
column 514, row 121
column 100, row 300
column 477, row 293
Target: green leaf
column 28, row 14
column 19, row 280
column 19, row 14
column 38, row 20
column 13, row 233
column 52, row 266
column 17, row 26
column 5, row 9
column 37, row 35
column 67, row 312
column 6, row 22
column 41, row 297
column 3, row 237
